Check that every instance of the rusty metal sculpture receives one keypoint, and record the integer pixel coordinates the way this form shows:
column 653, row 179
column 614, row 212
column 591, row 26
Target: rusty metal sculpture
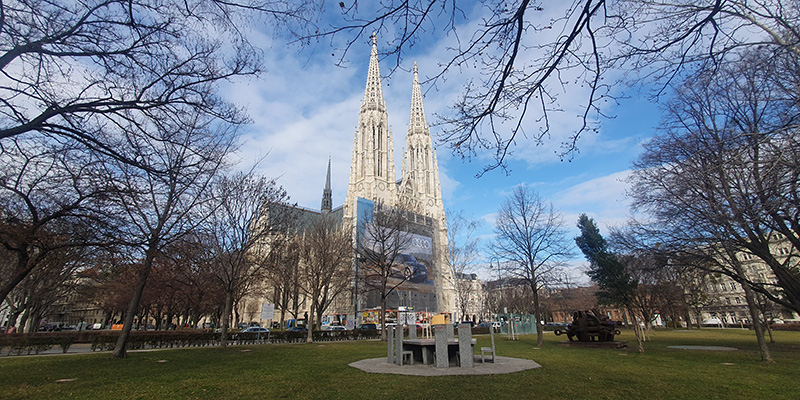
column 591, row 326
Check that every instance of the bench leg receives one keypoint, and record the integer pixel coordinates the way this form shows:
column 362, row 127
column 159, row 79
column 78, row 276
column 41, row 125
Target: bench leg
column 410, row 355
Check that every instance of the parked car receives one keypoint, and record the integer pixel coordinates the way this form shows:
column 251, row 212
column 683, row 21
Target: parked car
column 333, row 328
column 297, row 329
column 553, row 326
column 368, row 326
column 483, row 325
column 255, row 329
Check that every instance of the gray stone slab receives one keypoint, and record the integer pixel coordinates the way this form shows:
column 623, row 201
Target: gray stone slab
column 398, row 345
column 390, row 345
column 465, row 353
column 412, row 331
column 440, row 335
column 450, row 329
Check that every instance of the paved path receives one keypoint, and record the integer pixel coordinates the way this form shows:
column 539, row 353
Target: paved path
column 710, row 348
column 502, row 365
column 84, row 348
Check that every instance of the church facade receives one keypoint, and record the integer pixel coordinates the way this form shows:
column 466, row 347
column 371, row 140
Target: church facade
column 373, row 184
column 372, row 181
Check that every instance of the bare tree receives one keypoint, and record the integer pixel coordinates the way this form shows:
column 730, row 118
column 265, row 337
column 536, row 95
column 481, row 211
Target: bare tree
column 384, row 238
column 53, row 281
column 239, row 230
column 723, row 172
column 51, row 198
column 720, row 179
column 283, row 273
column 326, row 265
column 530, row 52
column 163, row 201
column 462, row 253
column 530, row 236
column 77, row 70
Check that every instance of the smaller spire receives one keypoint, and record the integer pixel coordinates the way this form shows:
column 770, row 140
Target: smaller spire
column 327, row 200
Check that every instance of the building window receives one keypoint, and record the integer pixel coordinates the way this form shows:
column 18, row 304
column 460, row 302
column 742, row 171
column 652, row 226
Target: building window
column 738, row 300
column 733, row 286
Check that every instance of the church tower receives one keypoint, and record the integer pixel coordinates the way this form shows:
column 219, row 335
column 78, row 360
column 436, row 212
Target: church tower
column 327, row 198
column 372, row 169
column 420, row 185
column 420, row 166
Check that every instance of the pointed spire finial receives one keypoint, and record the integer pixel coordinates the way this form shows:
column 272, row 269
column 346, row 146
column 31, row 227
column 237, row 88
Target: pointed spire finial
column 374, row 37
column 415, row 67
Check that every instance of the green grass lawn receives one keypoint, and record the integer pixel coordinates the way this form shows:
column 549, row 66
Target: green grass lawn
column 320, row 371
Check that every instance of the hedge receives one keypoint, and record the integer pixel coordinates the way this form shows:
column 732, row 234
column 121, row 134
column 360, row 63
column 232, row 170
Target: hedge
column 35, row 343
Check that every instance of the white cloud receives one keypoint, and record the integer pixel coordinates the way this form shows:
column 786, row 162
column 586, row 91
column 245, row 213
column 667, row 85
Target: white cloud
column 602, row 198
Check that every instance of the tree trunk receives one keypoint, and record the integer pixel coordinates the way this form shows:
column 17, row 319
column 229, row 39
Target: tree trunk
column 537, row 315
column 12, row 319
column 24, row 267
column 235, row 310
column 23, row 327
column 382, row 322
column 226, row 317
column 637, row 332
column 120, row 350
column 310, row 322
column 758, row 327
column 33, row 324
column 769, row 331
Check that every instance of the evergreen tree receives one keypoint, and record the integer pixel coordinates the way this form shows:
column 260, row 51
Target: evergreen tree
column 616, row 286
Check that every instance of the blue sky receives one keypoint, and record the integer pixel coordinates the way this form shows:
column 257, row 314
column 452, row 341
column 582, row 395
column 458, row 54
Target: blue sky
column 305, row 108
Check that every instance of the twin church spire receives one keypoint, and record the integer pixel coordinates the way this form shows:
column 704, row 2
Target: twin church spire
column 373, row 94
column 372, row 177
column 372, row 171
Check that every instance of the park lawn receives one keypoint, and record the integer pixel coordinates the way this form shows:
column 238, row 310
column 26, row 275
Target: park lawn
column 320, row 371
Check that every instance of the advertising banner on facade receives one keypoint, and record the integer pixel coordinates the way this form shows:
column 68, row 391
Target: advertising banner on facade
column 408, row 247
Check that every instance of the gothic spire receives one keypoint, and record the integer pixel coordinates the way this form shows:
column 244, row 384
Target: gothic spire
column 373, row 95
column 420, row 172
column 416, row 122
column 327, row 200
